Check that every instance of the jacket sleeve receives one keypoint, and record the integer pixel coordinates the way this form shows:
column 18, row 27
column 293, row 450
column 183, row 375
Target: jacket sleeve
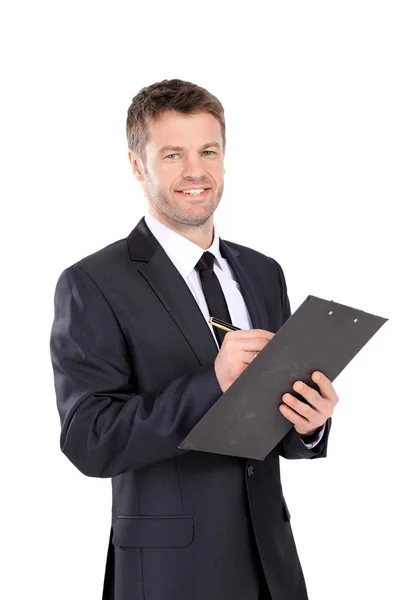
column 106, row 427
column 291, row 446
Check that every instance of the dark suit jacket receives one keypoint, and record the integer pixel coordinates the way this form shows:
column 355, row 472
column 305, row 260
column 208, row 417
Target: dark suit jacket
column 133, row 361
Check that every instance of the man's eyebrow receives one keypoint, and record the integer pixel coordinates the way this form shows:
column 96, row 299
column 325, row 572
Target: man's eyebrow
column 181, row 148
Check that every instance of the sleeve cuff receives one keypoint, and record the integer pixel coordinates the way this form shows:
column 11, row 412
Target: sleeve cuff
column 316, row 441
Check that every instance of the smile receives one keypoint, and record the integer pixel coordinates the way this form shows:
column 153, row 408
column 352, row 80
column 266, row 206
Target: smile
column 199, row 193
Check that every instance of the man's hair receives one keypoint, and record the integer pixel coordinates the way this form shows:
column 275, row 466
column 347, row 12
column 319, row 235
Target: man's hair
column 173, row 94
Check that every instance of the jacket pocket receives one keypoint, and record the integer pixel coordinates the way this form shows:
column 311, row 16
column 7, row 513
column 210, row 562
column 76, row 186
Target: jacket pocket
column 286, row 512
column 175, row 531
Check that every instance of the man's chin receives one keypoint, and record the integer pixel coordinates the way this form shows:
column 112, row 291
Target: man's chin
column 192, row 220
column 194, row 214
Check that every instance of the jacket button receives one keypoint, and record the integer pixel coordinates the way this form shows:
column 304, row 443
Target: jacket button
column 250, row 471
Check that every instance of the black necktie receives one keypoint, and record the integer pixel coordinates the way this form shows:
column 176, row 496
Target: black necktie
column 213, row 293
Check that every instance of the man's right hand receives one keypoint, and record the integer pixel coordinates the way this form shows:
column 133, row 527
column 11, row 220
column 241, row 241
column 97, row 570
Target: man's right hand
column 237, row 352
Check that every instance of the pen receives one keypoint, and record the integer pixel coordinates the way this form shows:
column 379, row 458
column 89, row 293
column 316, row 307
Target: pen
column 222, row 324
column 226, row 327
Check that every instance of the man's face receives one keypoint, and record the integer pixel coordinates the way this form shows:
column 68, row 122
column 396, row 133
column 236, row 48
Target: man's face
column 184, row 152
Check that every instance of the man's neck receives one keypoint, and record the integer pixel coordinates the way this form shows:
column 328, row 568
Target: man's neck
column 201, row 235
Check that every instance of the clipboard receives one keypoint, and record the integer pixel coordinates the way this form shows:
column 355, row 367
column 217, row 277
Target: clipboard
column 321, row 335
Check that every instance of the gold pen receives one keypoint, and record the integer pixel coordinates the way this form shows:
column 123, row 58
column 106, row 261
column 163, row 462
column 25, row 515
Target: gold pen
column 226, row 327
column 222, row 324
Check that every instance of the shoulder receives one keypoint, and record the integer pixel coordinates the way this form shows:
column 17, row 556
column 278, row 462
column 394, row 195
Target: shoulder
column 107, row 257
column 105, row 267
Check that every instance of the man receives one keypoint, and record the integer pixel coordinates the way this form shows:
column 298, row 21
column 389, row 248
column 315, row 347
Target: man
column 137, row 366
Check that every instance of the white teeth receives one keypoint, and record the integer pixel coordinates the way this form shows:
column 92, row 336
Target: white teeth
column 193, row 192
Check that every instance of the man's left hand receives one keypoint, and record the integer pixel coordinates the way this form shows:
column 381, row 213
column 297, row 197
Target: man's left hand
column 307, row 419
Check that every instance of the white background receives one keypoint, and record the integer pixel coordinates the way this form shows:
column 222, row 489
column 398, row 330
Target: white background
column 311, row 93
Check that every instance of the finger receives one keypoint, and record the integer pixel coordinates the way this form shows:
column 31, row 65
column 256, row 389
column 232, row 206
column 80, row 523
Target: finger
column 294, row 417
column 250, row 334
column 311, row 395
column 325, row 386
column 248, row 344
column 261, row 333
column 301, row 408
column 247, row 356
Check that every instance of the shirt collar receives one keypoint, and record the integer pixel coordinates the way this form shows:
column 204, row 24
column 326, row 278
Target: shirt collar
column 183, row 253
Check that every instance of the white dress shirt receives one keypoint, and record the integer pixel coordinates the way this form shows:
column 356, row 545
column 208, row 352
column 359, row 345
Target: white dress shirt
column 185, row 255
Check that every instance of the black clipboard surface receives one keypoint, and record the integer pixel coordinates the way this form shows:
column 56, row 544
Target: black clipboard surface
column 321, row 335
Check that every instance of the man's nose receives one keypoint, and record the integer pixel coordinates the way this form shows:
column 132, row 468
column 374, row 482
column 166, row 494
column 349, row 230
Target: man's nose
column 192, row 167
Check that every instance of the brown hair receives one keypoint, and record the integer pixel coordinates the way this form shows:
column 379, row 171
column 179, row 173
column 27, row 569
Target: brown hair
column 173, row 94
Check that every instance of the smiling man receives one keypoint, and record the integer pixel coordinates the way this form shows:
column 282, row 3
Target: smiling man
column 184, row 181
column 137, row 365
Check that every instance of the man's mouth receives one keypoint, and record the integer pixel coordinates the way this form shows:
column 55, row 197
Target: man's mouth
column 194, row 192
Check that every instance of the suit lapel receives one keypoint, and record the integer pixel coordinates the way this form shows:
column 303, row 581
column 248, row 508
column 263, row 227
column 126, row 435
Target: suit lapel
column 253, row 297
column 167, row 283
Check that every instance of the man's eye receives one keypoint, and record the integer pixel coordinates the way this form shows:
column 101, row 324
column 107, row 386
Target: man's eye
column 175, row 153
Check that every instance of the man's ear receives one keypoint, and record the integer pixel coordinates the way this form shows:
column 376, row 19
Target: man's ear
column 136, row 165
